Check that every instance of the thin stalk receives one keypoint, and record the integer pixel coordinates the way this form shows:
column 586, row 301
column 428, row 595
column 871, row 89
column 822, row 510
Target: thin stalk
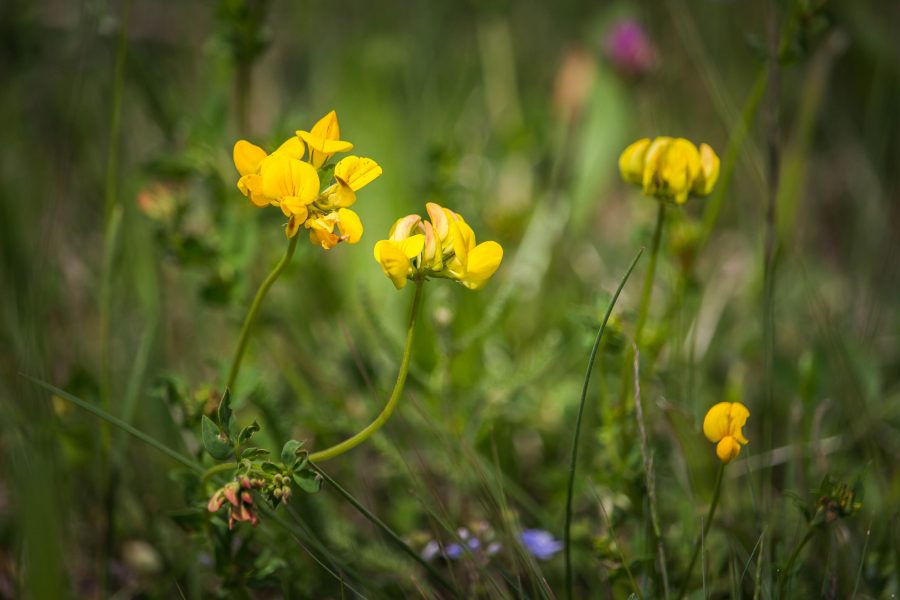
column 254, row 309
column 384, row 528
column 649, row 477
column 385, row 414
column 112, row 420
column 584, row 390
column 784, row 576
column 704, row 531
column 112, row 230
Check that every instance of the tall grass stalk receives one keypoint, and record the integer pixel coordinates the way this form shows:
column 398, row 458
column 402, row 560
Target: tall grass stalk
column 567, row 538
column 649, row 477
column 704, row 530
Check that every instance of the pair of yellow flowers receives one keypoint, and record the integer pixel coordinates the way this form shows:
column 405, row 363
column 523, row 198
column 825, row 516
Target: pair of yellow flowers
column 415, row 249
column 672, row 169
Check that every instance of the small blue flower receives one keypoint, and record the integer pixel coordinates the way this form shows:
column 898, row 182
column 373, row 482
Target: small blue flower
column 540, row 543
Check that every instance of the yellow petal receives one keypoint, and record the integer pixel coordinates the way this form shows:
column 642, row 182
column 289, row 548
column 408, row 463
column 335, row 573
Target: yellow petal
column 356, row 172
column 339, row 195
column 715, row 424
column 324, row 139
column 738, row 417
column 283, row 176
column 631, row 161
column 728, row 449
column 251, row 186
column 394, row 262
column 350, row 225
column 482, row 264
column 292, row 207
column 709, row 171
column 326, row 239
column 293, row 225
column 412, row 246
column 293, row 147
column 247, row 157
column 327, row 127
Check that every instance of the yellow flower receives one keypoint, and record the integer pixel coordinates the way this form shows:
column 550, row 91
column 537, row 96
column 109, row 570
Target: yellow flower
column 670, row 168
column 282, row 179
column 445, row 248
column 324, row 140
column 722, row 426
column 248, row 160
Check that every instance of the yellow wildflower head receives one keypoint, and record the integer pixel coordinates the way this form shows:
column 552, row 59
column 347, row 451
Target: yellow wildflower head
column 670, row 168
column 443, row 247
column 284, row 180
column 723, row 426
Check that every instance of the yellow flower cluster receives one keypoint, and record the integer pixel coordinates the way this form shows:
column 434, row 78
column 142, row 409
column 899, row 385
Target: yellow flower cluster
column 284, row 179
column 443, row 247
column 670, row 168
column 723, row 426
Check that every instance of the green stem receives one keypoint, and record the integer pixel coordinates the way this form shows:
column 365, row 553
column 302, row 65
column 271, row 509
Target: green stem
column 382, row 418
column 703, row 534
column 650, row 275
column 216, row 469
column 587, row 380
column 254, row 309
column 789, row 566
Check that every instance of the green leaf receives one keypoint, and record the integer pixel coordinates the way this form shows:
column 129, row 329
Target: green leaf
column 308, row 481
column 218, row 448
column 289, row 452
column 253, row 453
column 247, row 432
column 226, row 415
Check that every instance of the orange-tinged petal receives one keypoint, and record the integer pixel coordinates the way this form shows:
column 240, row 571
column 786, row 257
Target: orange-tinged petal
column 356, row 172
column 716, row 422
column 728, row 449
column 483, row 261
column 439, row 220
column 247, row 157
column 739, row 416
column 350, row 225
column 404, row 227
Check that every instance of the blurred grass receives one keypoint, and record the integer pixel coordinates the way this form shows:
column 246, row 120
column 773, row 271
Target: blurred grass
column 456, row 102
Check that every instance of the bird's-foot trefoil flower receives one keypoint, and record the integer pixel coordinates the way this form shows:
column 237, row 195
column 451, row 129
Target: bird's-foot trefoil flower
column 285, row 180
column 443, row 247
column 723, row 426
column 670, row 168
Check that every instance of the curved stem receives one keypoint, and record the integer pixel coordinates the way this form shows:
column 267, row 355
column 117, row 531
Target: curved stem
column 382, row 418
column 785, row 574
column 254, row 308
column 584, row 390
column 220, row 468
column 706, row 525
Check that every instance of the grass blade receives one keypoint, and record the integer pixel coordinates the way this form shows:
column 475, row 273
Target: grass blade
column 587, row 379
column 98, row 412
